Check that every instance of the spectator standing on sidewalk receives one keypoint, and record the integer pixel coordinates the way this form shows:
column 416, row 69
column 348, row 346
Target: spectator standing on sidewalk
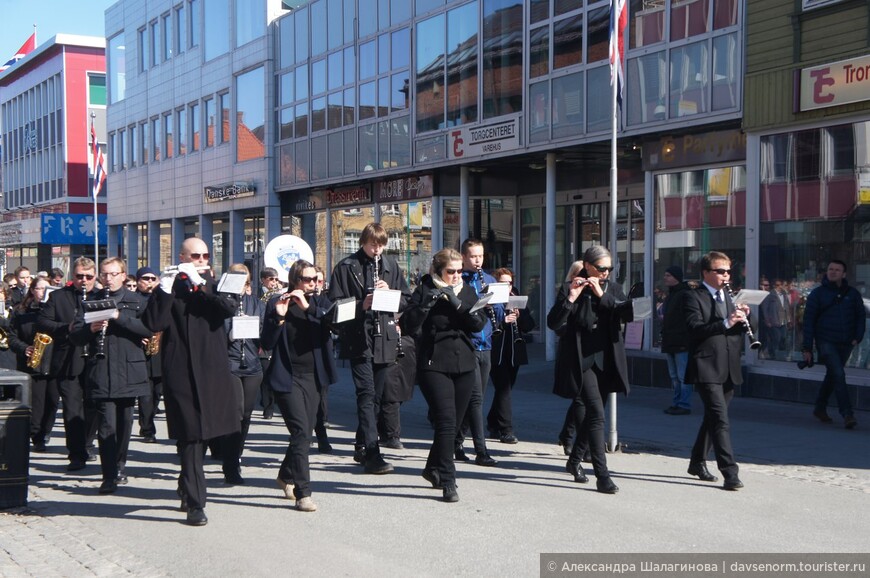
column 834, row 320
column 675, row 340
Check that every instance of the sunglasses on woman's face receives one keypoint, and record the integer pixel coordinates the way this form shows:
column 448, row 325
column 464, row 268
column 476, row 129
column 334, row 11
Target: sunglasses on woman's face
column 602, row 269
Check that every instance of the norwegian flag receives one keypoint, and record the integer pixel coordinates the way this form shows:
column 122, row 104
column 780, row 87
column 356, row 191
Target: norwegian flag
column 25, row 49
column 618, row 20
column 99, row 167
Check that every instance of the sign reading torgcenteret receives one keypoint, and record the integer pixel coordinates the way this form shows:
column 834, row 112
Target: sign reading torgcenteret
column 229, row 191
column 835, row 84
column 482, row 140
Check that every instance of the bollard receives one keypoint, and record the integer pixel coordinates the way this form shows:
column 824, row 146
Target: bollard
column 14, row 438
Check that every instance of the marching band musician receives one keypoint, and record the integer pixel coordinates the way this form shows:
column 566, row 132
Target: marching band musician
column 270, row 285
column 446, row 364
column 146, row 283
column 369, row 340
column 43, row 391
column 57, row 318
column 323, row 445
column 297, row 332
column 115, row 373
column 202, row 397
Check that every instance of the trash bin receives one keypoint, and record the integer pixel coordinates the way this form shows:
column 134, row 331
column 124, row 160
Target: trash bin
column 14, row 437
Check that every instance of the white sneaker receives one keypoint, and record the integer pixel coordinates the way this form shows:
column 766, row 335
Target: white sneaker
column 287, row 487
column 306, row 504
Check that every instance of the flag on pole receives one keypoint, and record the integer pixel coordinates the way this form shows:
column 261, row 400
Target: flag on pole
column 99, row 167
column 25, row 49
column 618, row 20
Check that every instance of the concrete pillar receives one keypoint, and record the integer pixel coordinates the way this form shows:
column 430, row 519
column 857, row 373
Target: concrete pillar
column 464, row 185
column 549, row 281
column 237, row 237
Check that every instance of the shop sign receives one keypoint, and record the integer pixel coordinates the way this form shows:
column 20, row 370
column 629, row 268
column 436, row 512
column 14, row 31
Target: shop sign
column 31, row 138
column 229, row 191
column 349, row 196
column 71, row 229
column 310, row 201
column 695, row 149
column 404, row 189
column 10, row 234
column 835, row 84
column 476, row 141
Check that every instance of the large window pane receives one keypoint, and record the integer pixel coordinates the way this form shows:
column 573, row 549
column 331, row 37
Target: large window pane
column 726, row 68
column 335, row 70
column 367, row 101
column 423, row 6
column 318, row 158
column 180, row 29
column 250, row 115
column 166, row 26
column 225, row 117
column 335, row 30
column 318, row 27
column 383, row 53
column 568, row 105
column 318, row 77
column 647, row 76
column 565, row 6
column 301, row 18
column 334, row 110
column 568, row 42
column 349, row 137
column 539, row 51
column 368, row 17
column 368, row 60
column 349, row 100
column 286, row 118
column 724, row 13
column 368, row 147
column 195, row 29
column 156, row 141
column 145, row 142
column 217, row 34
column 539, row 118
column 689, row 80
column 400, row 47
column 318, row 114
column 168, row 140
column 286, row 84
column 462, row 65
column 349, row 65
column 194, row 127
column 210, row 120
column 287, row 42
column 400, row 141
column 117, row 68
column 335, row 145
column 598, row 99
column 143, row 49
column 250, row 20
column 502, row 57
column 301, row 74
column 384, row 161
column 430, row 74
column 598, row 42
column 383, row 96
column 181, row 131
column 647, row 23
column 302, row 161
column 688, row 18
column 301, row 127
column 399, row 92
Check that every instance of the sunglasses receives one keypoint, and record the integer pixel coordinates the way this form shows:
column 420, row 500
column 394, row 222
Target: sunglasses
column 82, row 276
column 131, row 286
column 307, row 279
column 603, row 269
column 721, row 271
column 148, row 278
column 196, row 256
column 452, row 271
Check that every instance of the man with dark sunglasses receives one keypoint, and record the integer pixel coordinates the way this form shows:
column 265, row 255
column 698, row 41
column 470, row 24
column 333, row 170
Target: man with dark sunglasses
column 56, row 319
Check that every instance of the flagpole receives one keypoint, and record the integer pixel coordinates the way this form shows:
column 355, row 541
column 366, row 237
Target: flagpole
column 94, row 195
column 615, row 61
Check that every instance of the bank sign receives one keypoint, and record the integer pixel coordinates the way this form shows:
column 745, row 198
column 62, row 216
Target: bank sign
column 834, row 84
column 477, row 141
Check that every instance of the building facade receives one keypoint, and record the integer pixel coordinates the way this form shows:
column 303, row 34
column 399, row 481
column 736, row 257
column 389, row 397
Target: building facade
column 48, row 101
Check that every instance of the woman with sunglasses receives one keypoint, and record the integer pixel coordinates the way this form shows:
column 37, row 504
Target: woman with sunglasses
column 439, row 310
column 590, row 359
column 296, row 329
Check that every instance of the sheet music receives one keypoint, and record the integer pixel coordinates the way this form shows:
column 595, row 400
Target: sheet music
column 481, row 303
column 344, row 310
column 517, row 301
column 500, row 292
column 48, row 291
column 642, row 308
column 100, row 315
column 386, row 300
column 232, row 283
column 750, row 296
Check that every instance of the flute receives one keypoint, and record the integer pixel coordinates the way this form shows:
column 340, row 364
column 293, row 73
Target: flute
column 753, row 342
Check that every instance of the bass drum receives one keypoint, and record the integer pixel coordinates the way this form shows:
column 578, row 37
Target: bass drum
column 283, row 251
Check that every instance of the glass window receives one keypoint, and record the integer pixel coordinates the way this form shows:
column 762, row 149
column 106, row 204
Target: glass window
column 318, row 27
column 367, row 101
column 134, row 146
column 349, row 65
column 430, row 74
column 250, row 20
column 225, row 117
column 568, row 105
column 383, row 14
column 462, row 65
column 97, row 89
column 217, row 35
column 155, row 43
column 166, row 27
column 368, row 60
column 349, row 20
column 349, row 137
column 334, row 112
column 539, row 11
column 318, row 114
column 301, row 123
column 647, row 76
column 286, row 84
column 400, row 11
column 318, row 76
column 423, row 6
column 539, row 116
column 384, row 161
column 726, row 68
column 539, row 51
column 143, row 49
column 724, row 13
column 318, row 158
column 195, row 30
column 502, row 57
column 156, row 141
column 399, row 92
column 302, row 160
column 349, row 106
column 117, row 68
column 122, row 149
column 368, row 17
column 565, row 6
column 301, row 74
column 598, row 99
column 647, row 23
column 180, row 29
column 335, row 30
column 368, row 148
column 250, row 115
column 168, row 141
column 286, row 165
column 194, row 127
column 689, row 80
column 383, row 53
column 400, row 141
column 384, row 96
column 688, row 18
column 568, row 41
column 301, row 18
column 287, row 42
column 335, row 144
column 598, row 42
column 335, row 70
column 181, row 131
column 401, row 47
column 145, row 142
column 285, row 122
column 209, row 122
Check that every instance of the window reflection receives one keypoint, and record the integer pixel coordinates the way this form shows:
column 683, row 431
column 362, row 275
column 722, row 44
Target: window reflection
column 250, row 116
column 347, row 225
column 539, row 51
column 318, row 27
column 502, row 31
column 216, row 16
column 648, row 76
column 689, row 80
column 568, row 105
column 568, row 41
column 430, row 74
column 726, row 68
column 647, row 23
column 598, row 42
column 598, row 99
column 250, row 21
column 462, row 65
column 688, row 18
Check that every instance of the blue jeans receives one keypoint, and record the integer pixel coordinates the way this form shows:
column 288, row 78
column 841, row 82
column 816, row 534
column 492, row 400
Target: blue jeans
column 834, row 356
column 677, row 369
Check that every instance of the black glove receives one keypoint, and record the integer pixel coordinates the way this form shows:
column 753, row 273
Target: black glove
column 452, row 298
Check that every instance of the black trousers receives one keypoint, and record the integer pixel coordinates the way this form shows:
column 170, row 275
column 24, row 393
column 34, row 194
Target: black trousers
column 191, row 480
column 148, row 407
column 232, row 445
column 390, row 420
column 500, row 417
column 322, row 414
column 473, row 418
column 299, row 411
column 115, row 424
column 266, row 398
column 368, row 379
column 44, row 396
column 79, row 418
column 715, row 431
column 589, row 423
column 448, row 396
column 568, row 433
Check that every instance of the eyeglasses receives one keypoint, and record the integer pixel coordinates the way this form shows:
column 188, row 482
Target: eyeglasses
column 131, row 286
column 150, row 278
column 452, row 271
column 721, row 271
column 196, row 256
column 603, row 269
column 112, row 274
column 82, row 276
column 307, row 279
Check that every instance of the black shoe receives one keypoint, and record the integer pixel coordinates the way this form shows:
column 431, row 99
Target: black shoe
column 508, row 438
column 460, row 456
column 674, row 410
column 324, row 447
column 606, row 486
column 268, row 414
column 38, row 447
column 450, row 493
column 234, row 479
column 76, row 465
column 393, row 444
column 484, row 459
column 851, row 422
column 566, row 447
column 149, row 440
column 700, row 469
column 587, row 457
column 196, row 517
column 375, row 464
column 732, row 484
column 576, row 470
column 108, row 487
column 359, row 455
column 432, row 477
column 121, row 479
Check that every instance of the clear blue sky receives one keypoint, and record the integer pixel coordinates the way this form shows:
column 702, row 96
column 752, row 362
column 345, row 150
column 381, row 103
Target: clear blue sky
column 52, row 17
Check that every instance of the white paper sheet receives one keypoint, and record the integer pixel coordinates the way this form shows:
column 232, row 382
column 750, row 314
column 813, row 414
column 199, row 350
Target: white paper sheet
column 345, row 310
column 750, row 296
column 387, row 300
column 501, row 292
column 232, row 283
column 517, row 301
column 245, row 327
column 481, row 303
column 642, row 308
column 48, row 291
column 101, row 315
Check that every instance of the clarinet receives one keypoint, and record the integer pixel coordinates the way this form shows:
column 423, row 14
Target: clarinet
column 517, row 336
column 489, row 310
column 399, row 351
column 753, row 342
column 86, row 350
column 243, row 363
column 376, row 322
column 100, row 352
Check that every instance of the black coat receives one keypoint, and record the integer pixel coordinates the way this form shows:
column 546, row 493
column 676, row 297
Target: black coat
column 400, row 379
column 675, row 332
column 352, row 278
column 154, row 363
column 122, row 372
column 8, row 356
column 55, row 318
column 203, row 399
column 444, row 341
column 252, row 307
column 509, row 347
column 22, row 331
column 714, row 351
column 281, row 334
column 565, row 319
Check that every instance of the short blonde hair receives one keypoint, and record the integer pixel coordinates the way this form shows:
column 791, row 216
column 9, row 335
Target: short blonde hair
column 442, row 258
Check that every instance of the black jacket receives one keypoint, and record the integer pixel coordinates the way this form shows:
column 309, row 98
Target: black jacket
column 509, row 347
column 444, row 342
column 62, row 309
column 352, row 278
column 22, row 330
column 675, row 333
column 252, row 307
column 714, row 351
column 121, row 372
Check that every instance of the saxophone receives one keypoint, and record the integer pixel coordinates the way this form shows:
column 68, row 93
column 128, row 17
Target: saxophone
column 152, row 347
column 4, row 339
column 40, row 342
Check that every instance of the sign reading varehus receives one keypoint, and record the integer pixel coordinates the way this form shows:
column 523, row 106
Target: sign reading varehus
column 229, row 191
column 835, row 83
column 475, row 141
